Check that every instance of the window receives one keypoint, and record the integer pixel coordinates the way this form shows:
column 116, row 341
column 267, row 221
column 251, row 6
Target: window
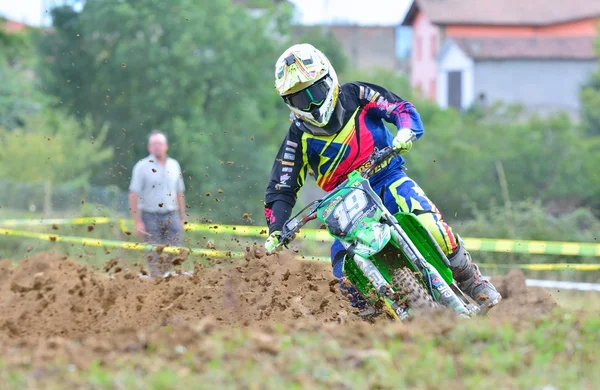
column 433, row 46
column 455, row 89
column 418, row 48
column 404, row 42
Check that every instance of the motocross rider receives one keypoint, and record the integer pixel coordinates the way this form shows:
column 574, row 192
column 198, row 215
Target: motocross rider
column 334, row 130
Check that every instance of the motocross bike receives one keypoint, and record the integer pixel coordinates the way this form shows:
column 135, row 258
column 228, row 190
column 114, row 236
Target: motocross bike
column 392, row 260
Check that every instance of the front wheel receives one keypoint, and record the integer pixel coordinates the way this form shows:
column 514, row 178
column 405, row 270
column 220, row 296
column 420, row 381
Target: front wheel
column 408, row 286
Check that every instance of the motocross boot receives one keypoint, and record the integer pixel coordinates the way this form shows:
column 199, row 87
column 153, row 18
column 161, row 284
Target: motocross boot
column 469, row 279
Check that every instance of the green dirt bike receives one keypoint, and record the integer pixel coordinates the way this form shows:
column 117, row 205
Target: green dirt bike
column 392, row 260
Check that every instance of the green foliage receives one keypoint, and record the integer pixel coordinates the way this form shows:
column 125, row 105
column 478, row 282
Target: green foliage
column 541, row 159
column 460, row 158
column 590, row 100
column 17, row 48
column 558, row 349
column 19, row 96
column 200, row 71
column 386, row 78
column 529, row 220
column 54, row 147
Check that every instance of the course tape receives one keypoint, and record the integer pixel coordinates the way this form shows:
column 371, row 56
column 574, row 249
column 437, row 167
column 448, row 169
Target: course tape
column 315, row 235
column 55, row 221
column 231, row 254
column 118, row 244
column 473, row 244
column 533, row 247
column 545, row 266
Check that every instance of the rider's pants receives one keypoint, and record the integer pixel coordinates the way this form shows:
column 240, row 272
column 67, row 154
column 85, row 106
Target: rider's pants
column 402, row 194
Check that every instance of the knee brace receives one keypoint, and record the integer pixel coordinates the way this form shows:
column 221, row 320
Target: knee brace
column 441, row 232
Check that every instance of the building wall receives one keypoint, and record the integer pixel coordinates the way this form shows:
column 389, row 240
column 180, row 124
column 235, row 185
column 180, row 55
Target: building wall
column 365, row 47
column 539, row 85
column 368, row 46
column 425, row 45
column 454, row 59
column 585, row 27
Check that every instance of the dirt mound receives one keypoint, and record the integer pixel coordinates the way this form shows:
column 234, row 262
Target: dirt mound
column 47, row 295
column 518, row 300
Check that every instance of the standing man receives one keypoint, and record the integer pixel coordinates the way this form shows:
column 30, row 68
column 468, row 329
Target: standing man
column 156, row 199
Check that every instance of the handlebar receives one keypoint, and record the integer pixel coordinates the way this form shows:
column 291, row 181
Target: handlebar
column 376, row 159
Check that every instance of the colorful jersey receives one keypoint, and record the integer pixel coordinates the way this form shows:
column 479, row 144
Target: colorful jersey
column 331, row 158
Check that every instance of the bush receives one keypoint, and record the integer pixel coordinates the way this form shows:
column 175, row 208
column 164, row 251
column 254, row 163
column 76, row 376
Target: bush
column 461, row 158
column 529, row 220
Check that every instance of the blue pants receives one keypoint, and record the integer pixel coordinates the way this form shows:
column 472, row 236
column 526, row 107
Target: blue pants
column 402, row 194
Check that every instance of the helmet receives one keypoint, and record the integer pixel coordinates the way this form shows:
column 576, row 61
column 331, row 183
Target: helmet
column 308, row 84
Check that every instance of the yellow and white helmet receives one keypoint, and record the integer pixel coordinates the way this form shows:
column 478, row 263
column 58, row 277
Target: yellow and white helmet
column 308, row 84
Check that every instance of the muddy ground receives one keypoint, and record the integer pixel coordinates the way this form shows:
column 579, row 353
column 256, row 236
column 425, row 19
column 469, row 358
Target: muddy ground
column 50, row 300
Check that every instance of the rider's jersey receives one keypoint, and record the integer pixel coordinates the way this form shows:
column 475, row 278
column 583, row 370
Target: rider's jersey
column 331, row 158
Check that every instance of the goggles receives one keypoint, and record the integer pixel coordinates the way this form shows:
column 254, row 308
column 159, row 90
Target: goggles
column 310, row 97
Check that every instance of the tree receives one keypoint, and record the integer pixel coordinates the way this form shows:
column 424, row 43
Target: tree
column 487, row 157
column 52, row 148
column 19, row 95
column 590, row 100
column 202, row 71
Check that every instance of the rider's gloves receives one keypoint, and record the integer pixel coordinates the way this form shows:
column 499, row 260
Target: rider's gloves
column 272, row 242
column 403, row 140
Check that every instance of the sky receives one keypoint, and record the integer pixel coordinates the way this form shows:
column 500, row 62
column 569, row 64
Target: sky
column 371, row 12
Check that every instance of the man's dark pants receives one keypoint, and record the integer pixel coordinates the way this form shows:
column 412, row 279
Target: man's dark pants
column 162, row 229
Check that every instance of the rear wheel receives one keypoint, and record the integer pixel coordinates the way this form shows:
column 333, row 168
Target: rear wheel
column 408, row 285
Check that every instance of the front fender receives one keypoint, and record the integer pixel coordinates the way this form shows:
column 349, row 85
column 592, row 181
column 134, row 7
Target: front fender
column 371, row 239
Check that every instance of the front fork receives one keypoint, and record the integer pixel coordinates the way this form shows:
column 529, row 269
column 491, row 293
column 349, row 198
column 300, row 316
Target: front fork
column 382, row 286
column 448, row 296
column 379, row 283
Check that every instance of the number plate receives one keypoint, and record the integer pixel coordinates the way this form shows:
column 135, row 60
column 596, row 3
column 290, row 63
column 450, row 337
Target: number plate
column 349, row 210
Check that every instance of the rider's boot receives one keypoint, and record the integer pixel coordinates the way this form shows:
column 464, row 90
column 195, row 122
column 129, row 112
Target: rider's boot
column 469, row 279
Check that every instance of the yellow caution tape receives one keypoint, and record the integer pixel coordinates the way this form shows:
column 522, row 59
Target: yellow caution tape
column 474, row 244
column 230, row 254
column 317, row 235
column 533, row 247
column 55, row 221
column 119, row 244
column 547, row 267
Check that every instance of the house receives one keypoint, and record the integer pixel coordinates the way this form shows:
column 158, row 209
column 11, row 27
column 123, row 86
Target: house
column 366, row 47
column 533, row 52
column 12, row 26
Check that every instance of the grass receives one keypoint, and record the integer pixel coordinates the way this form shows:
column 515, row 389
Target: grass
column 558, row 351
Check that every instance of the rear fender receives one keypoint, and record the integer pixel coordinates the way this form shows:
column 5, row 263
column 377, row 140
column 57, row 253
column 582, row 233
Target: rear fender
column 426, row 244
